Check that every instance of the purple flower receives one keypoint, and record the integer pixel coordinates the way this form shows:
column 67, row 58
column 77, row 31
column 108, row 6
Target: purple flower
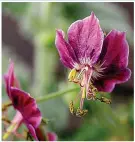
column 27, row 106
column 97, row 63
column 27, row 110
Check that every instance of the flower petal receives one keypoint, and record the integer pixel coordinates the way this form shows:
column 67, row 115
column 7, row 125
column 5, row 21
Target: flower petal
column 107, row 84
column 10, row 79
column 27, row 106
column 86, row 38
column 114, row 60
column 32, row 131
column 51, row 136
column 115, row 50
column 66, row 52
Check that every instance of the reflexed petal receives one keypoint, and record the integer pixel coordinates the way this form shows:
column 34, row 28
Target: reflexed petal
column 27, row 106
column 86, row 38
column 10, row 79
column 67, row 54
column 115, row 50
column 107, row 83
column 51, row 136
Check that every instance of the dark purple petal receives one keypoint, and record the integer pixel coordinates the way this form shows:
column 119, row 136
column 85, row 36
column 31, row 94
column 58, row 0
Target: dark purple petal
column 32, row 131
column 10, row 79
column 107, row 83
column 51, row 136
column 67, row 54
column 115, row 50
column 86, row 38
column 27, row 106
column 114, row 57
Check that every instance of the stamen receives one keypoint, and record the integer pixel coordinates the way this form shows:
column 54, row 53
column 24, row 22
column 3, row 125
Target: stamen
column 80, row 112
column 72, row 74
column 81, row 73
column 98, row 70
column 92, row 91
column 71, row 108
column 83, row 92
column 82, row 76
column 79, row 79
column 81, row 103
column 105, row 100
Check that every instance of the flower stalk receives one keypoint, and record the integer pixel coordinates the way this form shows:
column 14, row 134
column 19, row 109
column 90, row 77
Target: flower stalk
column 9, row 131
column 56, row 94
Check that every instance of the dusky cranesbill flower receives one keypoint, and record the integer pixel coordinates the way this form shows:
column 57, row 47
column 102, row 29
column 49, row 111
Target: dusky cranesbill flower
column 97, row 62
column 27, row 110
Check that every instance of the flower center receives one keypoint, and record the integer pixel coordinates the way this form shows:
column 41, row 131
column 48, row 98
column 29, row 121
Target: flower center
column 99, row 68
column 82, row 77
column 88, row 90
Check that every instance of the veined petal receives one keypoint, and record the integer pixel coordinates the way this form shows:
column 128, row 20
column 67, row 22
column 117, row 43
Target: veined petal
column 66, row 52
column 115, row 50
column 86, row 38
column 114, row 60
column 27, row 106
column 107, row 83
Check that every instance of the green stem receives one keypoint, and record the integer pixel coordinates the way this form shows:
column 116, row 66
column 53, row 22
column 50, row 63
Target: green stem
column 9, row 131
column 49, row 96
column 54, row 95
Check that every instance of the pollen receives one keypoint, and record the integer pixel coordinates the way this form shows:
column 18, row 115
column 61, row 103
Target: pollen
column 72, row 75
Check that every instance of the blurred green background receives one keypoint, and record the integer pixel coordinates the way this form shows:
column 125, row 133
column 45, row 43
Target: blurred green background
column 28, row 38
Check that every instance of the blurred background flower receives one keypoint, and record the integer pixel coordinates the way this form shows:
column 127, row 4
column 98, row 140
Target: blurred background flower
column 28, row 36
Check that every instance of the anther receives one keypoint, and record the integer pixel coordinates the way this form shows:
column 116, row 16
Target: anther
column 81, row 73
column 72, row 74
column 92, row 91
column 71, row 108
column 104, row 100
column 81, row 112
